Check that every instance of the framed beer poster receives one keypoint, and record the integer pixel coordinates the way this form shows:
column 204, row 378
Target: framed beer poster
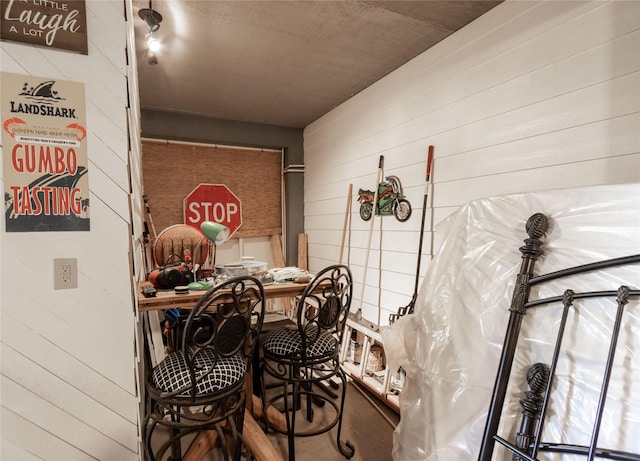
column 44, row 147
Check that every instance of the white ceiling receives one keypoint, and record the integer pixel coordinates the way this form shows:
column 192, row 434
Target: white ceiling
column 284, row 63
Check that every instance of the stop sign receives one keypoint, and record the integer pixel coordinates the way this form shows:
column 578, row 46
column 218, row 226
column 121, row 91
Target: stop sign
column 213, row 202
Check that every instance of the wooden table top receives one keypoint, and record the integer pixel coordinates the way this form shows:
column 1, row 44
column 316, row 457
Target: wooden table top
column 166, row 299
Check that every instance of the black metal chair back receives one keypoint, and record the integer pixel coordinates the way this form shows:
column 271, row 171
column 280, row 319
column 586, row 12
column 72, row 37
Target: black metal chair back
column 322, row 310
column 225, row 323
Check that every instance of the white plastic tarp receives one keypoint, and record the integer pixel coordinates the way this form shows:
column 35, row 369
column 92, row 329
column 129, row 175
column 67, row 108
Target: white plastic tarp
column 450, row 347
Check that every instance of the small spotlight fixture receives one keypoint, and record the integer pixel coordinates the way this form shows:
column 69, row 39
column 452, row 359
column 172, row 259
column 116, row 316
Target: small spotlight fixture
column 151, row 17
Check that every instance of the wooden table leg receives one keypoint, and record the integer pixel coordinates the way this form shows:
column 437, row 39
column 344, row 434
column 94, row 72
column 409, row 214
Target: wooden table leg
column 204, row 442
column 255, row 438
column 260, row 445
column 276, row 419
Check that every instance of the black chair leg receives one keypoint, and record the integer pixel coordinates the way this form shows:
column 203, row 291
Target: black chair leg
column 172, row 443
column 224, row 449
column 310, row 402
column 176, row 446
column 348, row 450
column 149, row 427
column 237, row 421
column 290, row 414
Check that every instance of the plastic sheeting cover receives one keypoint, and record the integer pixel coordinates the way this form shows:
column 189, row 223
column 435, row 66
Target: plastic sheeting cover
column 450, row 347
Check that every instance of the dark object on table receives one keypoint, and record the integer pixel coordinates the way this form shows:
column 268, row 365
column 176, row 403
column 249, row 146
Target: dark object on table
column 149, row 292
column 171, row 276
column 181, row 290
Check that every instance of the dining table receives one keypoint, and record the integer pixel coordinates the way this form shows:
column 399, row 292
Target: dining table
column 167, row 298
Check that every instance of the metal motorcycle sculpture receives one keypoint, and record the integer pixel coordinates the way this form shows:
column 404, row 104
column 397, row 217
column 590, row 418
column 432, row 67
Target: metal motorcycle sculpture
column 391, row 200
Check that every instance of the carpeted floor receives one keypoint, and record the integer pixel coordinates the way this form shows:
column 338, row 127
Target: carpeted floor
column 368, row 424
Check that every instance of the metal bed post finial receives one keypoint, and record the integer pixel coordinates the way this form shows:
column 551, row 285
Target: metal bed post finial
column 537, row 379
column 536, row 228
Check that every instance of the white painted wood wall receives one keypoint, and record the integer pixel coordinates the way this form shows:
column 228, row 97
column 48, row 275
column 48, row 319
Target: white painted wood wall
column 529, row 97
column 68, row 389
column 532, row 96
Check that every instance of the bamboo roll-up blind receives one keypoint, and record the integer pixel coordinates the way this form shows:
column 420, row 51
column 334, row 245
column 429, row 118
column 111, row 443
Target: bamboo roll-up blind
column 172, row 170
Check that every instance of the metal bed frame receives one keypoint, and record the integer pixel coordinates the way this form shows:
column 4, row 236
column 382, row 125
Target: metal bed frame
column 540, row 377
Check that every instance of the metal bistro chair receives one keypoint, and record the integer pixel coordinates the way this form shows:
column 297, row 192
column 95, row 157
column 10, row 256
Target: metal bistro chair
column 303, row 355
column 201, row 386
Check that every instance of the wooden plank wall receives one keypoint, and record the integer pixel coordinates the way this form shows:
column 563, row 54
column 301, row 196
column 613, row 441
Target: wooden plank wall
column 68, row 388
column 531, row 96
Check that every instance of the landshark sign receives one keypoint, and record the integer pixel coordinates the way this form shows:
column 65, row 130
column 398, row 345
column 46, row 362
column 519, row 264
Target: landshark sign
column 44, row 145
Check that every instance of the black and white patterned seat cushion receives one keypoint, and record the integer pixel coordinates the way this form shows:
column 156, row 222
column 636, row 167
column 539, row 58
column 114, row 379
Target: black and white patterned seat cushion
column 172, row 373
column 286, row 342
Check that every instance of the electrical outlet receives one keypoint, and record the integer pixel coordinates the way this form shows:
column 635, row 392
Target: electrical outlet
column 65, row 273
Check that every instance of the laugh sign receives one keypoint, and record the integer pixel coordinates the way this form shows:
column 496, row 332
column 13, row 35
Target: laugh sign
column 49, row 23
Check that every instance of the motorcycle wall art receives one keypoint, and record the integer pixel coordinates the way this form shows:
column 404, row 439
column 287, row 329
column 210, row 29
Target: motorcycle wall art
column 391, row 200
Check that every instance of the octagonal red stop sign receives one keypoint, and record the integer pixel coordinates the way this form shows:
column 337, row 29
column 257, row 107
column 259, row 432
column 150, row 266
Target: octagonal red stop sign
column 213, row 202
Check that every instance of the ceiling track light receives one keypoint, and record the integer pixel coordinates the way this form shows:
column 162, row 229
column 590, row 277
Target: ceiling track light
column 151, row 17
column 153, row 20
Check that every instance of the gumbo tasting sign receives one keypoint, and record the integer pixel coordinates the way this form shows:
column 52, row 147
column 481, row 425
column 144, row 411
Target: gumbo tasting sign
column 44, row 148
column 213, row 202
column 48, row 23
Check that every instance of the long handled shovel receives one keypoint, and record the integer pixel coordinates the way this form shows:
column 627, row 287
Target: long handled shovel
column 408, row 309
